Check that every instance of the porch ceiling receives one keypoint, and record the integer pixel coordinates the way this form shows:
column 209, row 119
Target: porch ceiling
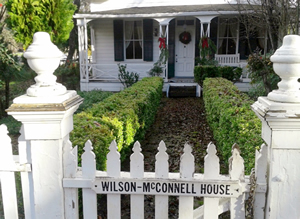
column 164, row 11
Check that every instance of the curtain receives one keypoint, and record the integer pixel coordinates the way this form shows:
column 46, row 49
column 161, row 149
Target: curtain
column 233, row 29
column 129, row 27
column 139, row 29
column 222, row 32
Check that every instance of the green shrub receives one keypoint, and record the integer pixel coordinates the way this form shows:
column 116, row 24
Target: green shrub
column 231, row 119
column 208, row 71
column 69, row 75
column 92, row 97
column 262, row 75
column 127, row 78
column 124, row 116
column 13, row 125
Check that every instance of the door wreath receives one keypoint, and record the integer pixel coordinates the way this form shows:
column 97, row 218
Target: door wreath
column 185, row 37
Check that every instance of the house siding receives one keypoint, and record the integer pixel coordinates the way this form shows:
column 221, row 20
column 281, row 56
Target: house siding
column 104, row 41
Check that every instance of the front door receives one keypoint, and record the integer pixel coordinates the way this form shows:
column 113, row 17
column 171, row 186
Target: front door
column 184, row 50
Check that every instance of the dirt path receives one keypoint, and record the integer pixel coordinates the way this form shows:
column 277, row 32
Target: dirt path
column 179, row 120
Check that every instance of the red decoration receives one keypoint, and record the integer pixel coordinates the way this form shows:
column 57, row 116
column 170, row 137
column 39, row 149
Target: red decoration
column 204, row 43
column 1, row 5
column 162, row 42
column 185, row 37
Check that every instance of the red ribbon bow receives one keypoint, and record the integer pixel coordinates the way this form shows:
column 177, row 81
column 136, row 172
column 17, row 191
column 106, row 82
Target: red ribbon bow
column 162, row 42
column 204, row 43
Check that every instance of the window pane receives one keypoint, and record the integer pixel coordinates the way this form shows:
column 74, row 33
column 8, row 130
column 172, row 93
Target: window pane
column 129, row 50
column 231, row 46
column 138, row 50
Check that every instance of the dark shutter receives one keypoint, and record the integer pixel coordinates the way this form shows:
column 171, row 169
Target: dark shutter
column 118, row 40
column 148, row 39
column 171, row 46
column 197, row 41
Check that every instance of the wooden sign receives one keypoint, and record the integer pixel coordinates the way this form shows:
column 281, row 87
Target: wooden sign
column 167, row 187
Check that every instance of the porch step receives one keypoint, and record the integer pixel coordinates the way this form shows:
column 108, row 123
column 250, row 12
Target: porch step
column 192, row 90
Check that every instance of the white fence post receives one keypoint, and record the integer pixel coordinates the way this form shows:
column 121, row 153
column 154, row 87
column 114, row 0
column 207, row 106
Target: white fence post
column 280, row 113
column 211, row 171
column 113, row 170
column 7, row 179
column 137, row 171
column 236, row 172
column 187, row 169
column 161, row 171
column 46, row 112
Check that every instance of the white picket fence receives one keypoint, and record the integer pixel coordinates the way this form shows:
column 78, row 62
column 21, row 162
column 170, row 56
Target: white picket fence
column 221, row 192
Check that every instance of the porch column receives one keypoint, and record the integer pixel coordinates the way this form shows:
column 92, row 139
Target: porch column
column 93, row 44
column 164, row 32
column 46, row 112
column 280, row 116
column 205, row 21
column 83, row 53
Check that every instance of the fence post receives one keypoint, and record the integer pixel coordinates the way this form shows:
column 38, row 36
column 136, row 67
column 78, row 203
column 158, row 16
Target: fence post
column 280, row 116
column 46, row 112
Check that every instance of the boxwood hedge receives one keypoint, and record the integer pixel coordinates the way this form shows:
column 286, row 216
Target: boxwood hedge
column 204, row 71
column 123, row 116
column 231, row 119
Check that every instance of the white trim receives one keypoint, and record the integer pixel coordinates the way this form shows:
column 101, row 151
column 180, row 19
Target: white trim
column 157, row 15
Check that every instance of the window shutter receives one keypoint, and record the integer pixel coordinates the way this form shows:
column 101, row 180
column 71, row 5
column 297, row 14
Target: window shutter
column 148, row 39
column 118, row 40
column 171, row 47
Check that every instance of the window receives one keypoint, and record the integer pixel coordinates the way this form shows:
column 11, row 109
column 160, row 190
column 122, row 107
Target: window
column 227, row 37
column 134, row 39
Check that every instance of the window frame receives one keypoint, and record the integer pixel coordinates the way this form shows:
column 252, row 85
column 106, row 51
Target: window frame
column 133, row 40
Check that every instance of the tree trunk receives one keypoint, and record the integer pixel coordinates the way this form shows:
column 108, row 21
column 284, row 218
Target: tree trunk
column 73, row 36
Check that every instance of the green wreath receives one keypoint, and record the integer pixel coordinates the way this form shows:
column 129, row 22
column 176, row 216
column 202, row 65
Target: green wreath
column 185, row 37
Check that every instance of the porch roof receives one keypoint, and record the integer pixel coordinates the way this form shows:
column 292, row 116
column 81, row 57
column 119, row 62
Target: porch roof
column 165, row 11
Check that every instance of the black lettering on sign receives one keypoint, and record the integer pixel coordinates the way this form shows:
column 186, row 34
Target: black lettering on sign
column 121, row 187
column 158, row 187
column 170, row 189
column 227, row 189
column 182, row 188
column 209, row 189
column 193, row 189
column 146, row 187
column 215, row 189
column 222, row 189
column 164, row 187
column 203, row 189
column 105, row 186
column 176, row 189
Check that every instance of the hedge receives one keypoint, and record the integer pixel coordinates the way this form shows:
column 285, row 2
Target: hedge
column 204, row 71
column 231, row 119
column 123, row 116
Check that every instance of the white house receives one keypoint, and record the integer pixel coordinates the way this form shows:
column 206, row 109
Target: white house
column 130, row 32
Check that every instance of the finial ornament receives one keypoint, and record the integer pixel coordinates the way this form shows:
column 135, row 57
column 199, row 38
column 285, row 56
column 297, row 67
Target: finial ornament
column 43, row 57
column 286, row 63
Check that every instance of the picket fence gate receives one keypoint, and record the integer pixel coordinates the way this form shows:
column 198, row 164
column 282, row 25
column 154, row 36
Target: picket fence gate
column 221, row 192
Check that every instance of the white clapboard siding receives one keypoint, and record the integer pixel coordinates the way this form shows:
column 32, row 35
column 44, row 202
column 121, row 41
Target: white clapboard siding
column 104, row 41
column 7, row 178
column 89, row 197
column 187, row 169
column 113, row 170
column 161, row 171
column 137, row 171
column 211, row 171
